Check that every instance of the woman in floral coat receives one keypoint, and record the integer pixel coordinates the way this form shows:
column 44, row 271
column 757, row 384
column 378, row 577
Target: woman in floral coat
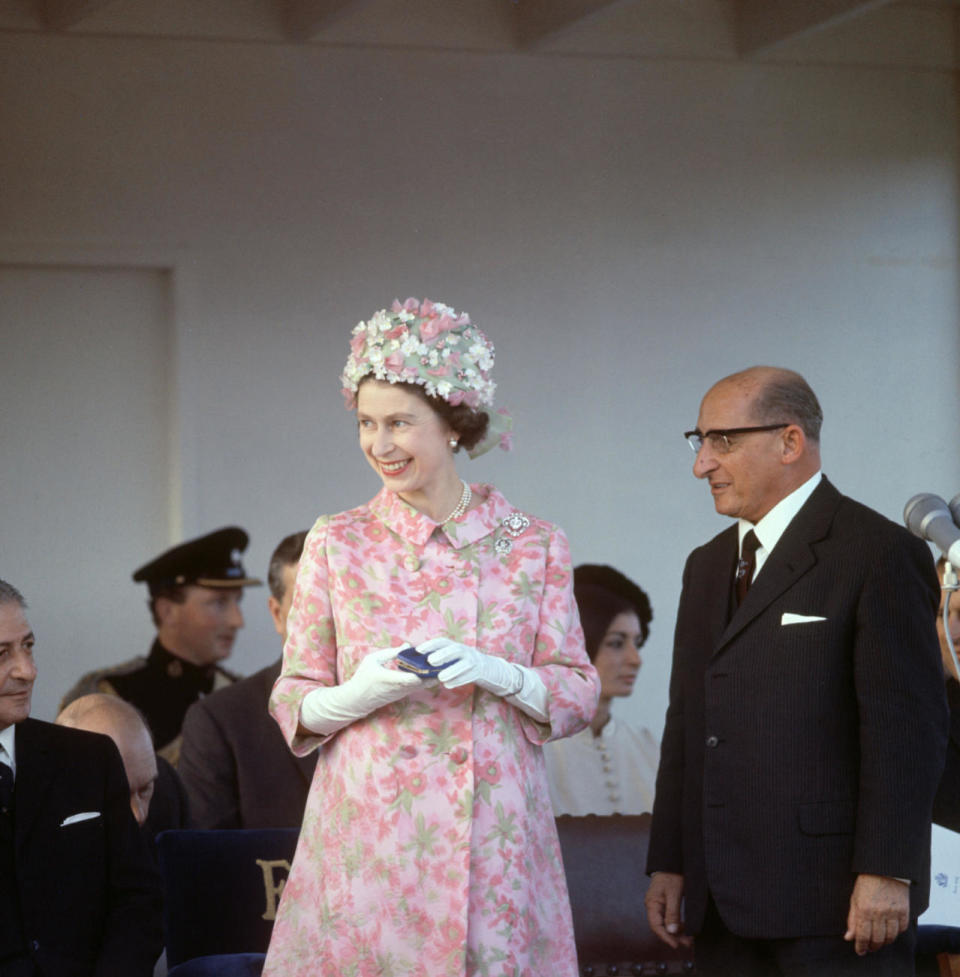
column 428, row 846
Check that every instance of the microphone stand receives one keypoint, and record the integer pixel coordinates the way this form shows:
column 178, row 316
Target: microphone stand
column 950, row 586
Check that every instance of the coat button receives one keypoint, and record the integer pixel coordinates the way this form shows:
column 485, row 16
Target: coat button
column 411, row 563
column 713, row 741
column 459, row 754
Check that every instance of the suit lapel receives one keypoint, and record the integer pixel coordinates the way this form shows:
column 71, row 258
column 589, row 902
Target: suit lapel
column 791, row 558
column 35, row 774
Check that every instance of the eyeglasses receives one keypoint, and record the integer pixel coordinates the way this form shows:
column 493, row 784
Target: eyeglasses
column 719, row 440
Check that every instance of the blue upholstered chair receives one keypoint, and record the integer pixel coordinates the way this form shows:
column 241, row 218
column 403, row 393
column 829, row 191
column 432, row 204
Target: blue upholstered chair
column 221, row 890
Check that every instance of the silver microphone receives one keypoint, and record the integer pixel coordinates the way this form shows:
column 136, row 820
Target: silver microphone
column 929, row 517
column 955, row 508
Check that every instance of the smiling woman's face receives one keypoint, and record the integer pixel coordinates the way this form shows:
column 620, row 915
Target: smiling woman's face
column 617, row 660
column 405, row 441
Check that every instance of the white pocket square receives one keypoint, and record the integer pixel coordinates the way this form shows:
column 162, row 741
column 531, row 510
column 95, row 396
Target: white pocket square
column 82, row 816
column 789, row 618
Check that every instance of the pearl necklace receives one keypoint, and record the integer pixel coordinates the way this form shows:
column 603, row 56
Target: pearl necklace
column 461, row 507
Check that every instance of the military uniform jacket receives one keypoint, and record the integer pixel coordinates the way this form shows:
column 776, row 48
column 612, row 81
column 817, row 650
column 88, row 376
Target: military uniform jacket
column 162, row 686
column 805, row 733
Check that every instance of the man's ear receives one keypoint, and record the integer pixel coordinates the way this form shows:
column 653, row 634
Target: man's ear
column 165, row 609
column 793, row 444
column 273, row 605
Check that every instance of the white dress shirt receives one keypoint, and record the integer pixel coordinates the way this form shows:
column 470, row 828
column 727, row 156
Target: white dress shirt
column 773, row 525
column 8, row 748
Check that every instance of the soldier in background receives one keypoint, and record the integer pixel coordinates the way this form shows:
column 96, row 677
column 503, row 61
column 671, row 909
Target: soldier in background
column 195, row 593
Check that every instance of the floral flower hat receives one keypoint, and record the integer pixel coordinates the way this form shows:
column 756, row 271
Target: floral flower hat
column 430, row 344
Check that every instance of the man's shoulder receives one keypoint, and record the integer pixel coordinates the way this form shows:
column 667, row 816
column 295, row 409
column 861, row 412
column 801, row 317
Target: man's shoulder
column 62, row 741
column 105, row 679
column 252, row 690
column 857, row 515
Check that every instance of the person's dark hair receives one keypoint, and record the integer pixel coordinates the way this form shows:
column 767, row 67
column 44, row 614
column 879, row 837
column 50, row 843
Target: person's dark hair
column 787, row 397
column 287, row 553
column 602, row 593
column 470, row 425
column 176, row 593
column 10, row 595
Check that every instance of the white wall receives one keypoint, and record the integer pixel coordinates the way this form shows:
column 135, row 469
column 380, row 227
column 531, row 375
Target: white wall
column 626, row 231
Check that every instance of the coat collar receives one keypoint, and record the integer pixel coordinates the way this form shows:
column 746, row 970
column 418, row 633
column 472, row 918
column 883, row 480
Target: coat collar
column 406, row 522
column 792, row 557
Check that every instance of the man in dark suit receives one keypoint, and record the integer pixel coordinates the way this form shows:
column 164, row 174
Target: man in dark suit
column 78, row 892
column 234, row 762
column 806, row 728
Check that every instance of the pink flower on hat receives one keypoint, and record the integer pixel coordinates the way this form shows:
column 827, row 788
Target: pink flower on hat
column 394, row 362
column 429, row 329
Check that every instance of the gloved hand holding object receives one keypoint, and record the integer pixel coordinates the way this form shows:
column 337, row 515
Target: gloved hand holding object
column 522, row 685
column 372, row 686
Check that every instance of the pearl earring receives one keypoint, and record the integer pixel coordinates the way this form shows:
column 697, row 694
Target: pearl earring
column 453, row 442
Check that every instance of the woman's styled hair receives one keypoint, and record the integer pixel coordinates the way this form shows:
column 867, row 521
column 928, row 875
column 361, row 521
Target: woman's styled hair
column 602, row 593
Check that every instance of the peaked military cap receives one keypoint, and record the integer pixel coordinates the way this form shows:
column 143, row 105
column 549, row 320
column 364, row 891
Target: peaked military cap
column 210, row 561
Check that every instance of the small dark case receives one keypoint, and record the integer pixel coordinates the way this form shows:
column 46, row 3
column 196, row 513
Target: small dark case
column 411, row 660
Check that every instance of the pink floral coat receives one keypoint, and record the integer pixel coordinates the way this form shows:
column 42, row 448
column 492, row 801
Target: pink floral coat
column 428, row 846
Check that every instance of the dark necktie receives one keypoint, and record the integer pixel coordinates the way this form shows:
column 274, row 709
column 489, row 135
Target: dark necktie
column 746, row 565
column 6, row 787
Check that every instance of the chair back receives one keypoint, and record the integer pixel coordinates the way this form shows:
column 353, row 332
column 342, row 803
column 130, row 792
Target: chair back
column 221, row 889
column 604, row 858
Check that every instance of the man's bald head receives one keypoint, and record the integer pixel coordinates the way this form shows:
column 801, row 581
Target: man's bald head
column 777, row 394
column 107, row 714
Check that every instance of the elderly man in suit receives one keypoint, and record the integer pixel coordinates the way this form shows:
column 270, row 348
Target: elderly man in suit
column 806, row 728
column 79, row 896
column 234, row 762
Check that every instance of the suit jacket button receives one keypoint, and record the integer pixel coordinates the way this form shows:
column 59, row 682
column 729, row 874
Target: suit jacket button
column 713, row 741
column 35, row 944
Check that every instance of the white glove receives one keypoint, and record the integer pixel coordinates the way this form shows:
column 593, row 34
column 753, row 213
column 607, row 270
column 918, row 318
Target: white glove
column 465, row 665
column 372, row 686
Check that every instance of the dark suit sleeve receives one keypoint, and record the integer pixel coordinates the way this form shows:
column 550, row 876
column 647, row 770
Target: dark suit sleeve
column 133, row 936
column 665, row 853
column 208, row 770
column 903, row 718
